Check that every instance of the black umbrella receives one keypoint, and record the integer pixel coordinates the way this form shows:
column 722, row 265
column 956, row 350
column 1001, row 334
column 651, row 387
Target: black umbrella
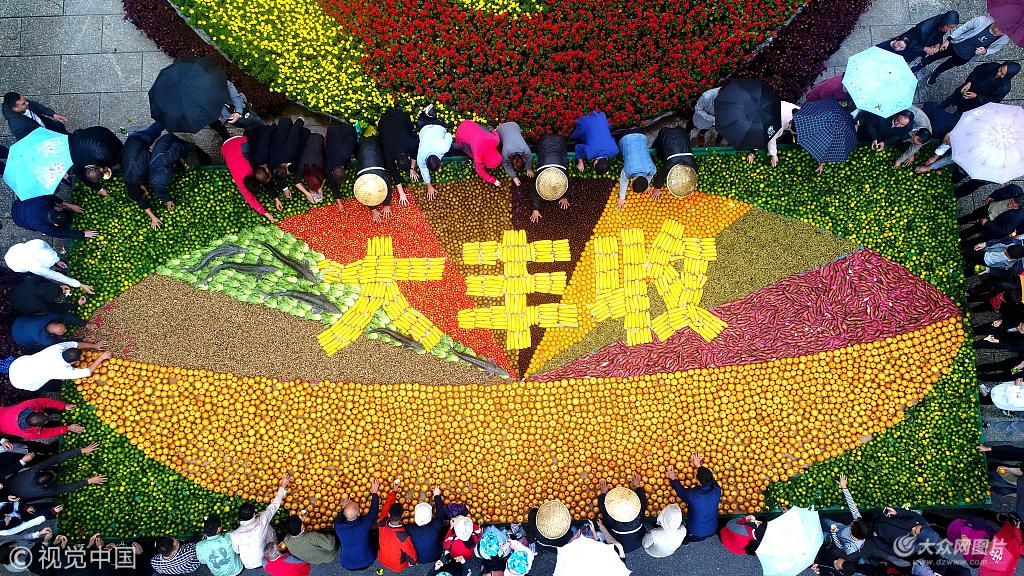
column 747, row 113
column 826, row 130
column 188, row 95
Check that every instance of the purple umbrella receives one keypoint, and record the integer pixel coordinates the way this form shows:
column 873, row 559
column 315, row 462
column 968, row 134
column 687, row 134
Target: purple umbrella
column 1009, row 15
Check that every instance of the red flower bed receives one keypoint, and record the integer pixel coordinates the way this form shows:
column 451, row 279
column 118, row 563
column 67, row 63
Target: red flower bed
column 855, row 300
column 630, row 59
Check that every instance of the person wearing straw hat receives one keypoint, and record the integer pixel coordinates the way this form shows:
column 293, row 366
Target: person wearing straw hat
column 516, row 155
column 549, row 525
column 552, row 180
column 427, row 529
column 622, row 511
column 638, row 167
column 701, row 501
column 678, row 168
column 373, row 185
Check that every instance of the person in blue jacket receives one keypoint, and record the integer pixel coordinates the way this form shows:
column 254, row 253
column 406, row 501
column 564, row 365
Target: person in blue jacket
column 701, row 502
column 353, row 531
column 48, row 215
column 33, row 333
column 595, row 142
column 428, row 529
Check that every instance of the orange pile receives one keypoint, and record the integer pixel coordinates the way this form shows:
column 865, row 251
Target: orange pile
column 505, row 447
column 701, row 216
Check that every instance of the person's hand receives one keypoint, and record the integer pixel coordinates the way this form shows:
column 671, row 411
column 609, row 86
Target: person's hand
column 76, row 428
column 774, row 161
column 654, row 193
column 62, row 265
column 287, row 192
column 70, row 407
column 997, row 323
column 460, row 559
column 97, row 480
column 28, row 457
column 980, row 51
column 984, row 221
column 270, row 217
column 979, row 246
column 579, row 165
column 285, row 480
column 154, row 222
column 396, row 482
column 95, row 539
column 403, row 199
column 889, row 511
column 169, row 205
column 90, row 448
column 842, row 482
column 671, row 472
column 437, row 490
column 515, row 180
column 970, row 96
column 696, row 460
column 750, row 158
column 992, row 339
column 564, row 203
column 916, row 530
column 438, row 564
column 46, row 533
column 90, row 233
column 374, row 486
column 431, row 192
column 87, row 289
column 104, row 192
column 74, row 207
column 414, row 175
column 922, row 169
column 930, row 50
column 881, row 145
column 621, row 203
column 60, row 117
column 82, row 300
column 900, row 162
column 603, row 486
column 6, row 445
column 497, row 183
column 101, row 345
column 104, row 356
column 234, row 117
column 386, row 212
column 529, row 172
column 61, row 540
column 637, row 481
column 278, row 204
column 339, row 204
column 375, row 214
column 534, row 216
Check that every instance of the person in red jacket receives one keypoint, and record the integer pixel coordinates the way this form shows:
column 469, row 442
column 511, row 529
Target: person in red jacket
column 28, row 419
column 462, row 538
column 396, row 551
column 480, row 144
column 278, row 563
column 241, row 170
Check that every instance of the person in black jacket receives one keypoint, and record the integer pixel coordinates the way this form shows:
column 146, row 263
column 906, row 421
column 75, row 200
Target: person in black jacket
column 552, row 181
column 38, row 295
column 135, row 160
column 882, row 132
column 907, row 529
column 310, row 169
column 1006, row 223
column 927, row 36
column 340, row 147
column 673, row 146
column 616, row 506
column 400, row 145
column 48, row 215
column 989, row 82
column 286, row 146
column 95, row 152
column 373, row 186
column 169, row 155
column 545, row 533
column 24, row 115
column 903, row 45
column 39, row 482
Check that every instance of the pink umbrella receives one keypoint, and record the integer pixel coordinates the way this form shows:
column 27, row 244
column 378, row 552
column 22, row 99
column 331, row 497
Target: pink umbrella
column 1009, row 15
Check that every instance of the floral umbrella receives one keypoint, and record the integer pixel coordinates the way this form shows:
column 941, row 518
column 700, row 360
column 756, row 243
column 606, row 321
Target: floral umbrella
column 37, row 162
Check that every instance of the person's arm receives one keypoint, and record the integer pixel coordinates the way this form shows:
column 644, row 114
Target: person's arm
column 41, row 109
column 387, row 505
column 237, row 101
column 264, row 517
column 854, row 510
column 909, row 153
column 57, row 277
column 941, row 162
column 481, row 170
column 580, row 150
column 683, row 493
column 623, row 184
column 506, row 163
column 421, row 161
column 1006, row 223
column 56, row 459
column 35, row 521
column 773, row 144
column 37, row 404
column 998, row 45
column 374, row 506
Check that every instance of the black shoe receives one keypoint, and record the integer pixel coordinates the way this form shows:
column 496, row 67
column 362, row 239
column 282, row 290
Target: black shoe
column 932, row 79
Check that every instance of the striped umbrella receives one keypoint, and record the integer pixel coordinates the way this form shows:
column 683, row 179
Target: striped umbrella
column 826, row 130
column 988, row 142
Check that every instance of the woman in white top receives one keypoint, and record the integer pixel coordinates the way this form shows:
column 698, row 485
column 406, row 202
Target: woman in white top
column 38, row 257
column 1009, row 395
column 666, row 538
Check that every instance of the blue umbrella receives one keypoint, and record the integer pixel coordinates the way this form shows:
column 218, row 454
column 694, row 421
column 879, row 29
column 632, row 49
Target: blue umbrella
column 880, row 81
column 826, row 130
column 37, row 162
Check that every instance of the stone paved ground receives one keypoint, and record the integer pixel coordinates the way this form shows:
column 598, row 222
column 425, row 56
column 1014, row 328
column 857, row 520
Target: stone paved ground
column 81, row 57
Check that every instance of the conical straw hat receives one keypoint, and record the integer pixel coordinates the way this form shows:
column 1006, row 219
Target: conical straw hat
column 370, row 189
column 682, row 180
column 622, row 504
column 553, row 519
column 552, row 184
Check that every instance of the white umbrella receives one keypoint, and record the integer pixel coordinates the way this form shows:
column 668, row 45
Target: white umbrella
column 790, row 543
column 988, row 142
column 590, row 557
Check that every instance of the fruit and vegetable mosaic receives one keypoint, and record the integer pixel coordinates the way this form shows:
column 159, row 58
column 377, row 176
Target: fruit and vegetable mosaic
column 787, row 325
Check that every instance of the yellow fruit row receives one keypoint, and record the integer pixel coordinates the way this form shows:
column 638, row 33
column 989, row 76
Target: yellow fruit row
column 550, row 251
column 480, row 253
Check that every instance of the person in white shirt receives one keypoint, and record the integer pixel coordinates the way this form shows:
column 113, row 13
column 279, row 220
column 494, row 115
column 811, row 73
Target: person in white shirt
column 669, row 535
column 38, row 257
column 44, row 370
column 253, row 534
column 435, row 142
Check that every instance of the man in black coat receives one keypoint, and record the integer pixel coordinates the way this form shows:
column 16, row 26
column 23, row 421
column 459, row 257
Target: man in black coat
column 39, row 481
column 38, row 295
column 553, row 157
column 48, row 215
column 24, row 115
column 340, row 147
column 400, row 145
column 135, row 165
column 95, row 152
column 882, row 132
column 629, row 532
column 286, row 144
column 169, row 155
column 673, row 147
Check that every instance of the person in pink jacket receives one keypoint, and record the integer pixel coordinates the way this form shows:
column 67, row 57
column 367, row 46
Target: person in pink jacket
column 27, row 419
column 480, row 144
column 240, row 169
